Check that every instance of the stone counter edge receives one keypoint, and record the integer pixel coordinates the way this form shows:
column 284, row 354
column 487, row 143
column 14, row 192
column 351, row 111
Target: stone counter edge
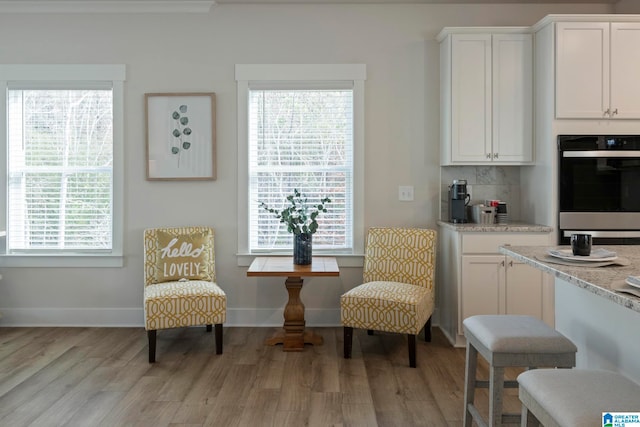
column 595, row 280
column 515, row 227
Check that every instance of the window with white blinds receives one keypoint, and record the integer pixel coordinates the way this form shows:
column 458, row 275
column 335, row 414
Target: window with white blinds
column 60, row 169
column 301, row 139
column 300, row 127
column 62, row 179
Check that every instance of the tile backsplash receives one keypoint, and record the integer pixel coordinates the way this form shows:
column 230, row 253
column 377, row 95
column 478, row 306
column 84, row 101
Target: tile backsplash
column 487, row 182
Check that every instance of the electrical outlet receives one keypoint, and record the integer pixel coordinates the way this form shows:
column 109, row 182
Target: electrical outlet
column 405, row 193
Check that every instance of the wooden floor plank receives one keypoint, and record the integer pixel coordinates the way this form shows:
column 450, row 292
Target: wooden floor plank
column 325, row 364
column 130, row 408
column 67, row 376
column 359, row 414
column 14, row 339
column 295, row 393
column 260, row 407
column 71, row 397
column 95, row 409
column 101, row 377
column 30, row 359
column 325, row 409
column 230, row 401
column 19, row 393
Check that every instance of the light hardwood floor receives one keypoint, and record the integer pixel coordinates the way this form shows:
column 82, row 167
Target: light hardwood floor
column 101, row 377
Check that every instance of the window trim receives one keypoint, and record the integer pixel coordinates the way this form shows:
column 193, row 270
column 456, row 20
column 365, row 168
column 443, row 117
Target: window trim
column 248, row 73
column 113, row 73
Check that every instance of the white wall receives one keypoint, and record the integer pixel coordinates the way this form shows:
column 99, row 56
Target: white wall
column 180, row 53
column 627, row 6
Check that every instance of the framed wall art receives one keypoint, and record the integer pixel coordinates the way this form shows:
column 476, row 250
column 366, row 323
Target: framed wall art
column 181, row 136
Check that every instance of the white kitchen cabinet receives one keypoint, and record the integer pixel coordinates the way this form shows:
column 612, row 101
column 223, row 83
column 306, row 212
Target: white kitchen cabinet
column 495, row 284
column 474, row 278
column 597, row 64
column 486, row 96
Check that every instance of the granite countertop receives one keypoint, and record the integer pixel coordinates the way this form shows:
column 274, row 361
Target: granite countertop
column 598, row 280
column 510, row 227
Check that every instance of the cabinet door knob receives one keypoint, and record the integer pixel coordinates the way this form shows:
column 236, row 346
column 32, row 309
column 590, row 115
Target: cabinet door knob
column 607, row 112
column 495, row 155
column 488, row 155
column 614, row 112
column 511, row 263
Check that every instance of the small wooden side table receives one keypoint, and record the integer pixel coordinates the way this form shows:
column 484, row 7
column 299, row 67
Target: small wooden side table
column 294, row 336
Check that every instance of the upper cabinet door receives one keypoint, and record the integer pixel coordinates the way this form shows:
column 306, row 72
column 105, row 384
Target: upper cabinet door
column 470, row 97
column 625, row 70
column 582, row 70
column 512, row 108
column 486, row 97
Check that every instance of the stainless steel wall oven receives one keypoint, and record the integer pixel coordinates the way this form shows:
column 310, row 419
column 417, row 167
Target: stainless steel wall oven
column 599, row 187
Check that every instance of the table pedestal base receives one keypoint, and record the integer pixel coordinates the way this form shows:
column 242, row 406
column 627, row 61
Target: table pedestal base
column 294, row 342
column 294, row 336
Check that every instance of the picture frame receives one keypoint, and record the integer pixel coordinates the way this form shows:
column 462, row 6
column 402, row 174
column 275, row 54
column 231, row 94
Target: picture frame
column 180, row 136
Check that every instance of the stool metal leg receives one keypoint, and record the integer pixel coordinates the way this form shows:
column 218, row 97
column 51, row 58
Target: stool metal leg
column 470, row 382
column 496, row 388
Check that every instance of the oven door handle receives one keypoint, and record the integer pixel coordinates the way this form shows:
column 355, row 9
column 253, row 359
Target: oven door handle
column 602, row 153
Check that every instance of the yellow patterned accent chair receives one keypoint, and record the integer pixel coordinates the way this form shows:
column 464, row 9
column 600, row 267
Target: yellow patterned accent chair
column 180, row 282
column 398, row 290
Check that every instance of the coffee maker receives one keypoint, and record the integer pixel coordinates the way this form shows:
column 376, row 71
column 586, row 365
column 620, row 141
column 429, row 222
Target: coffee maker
column 458, row 201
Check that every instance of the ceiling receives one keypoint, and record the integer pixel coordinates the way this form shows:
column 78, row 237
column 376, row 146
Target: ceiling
column 414, row 1
column 204, row 6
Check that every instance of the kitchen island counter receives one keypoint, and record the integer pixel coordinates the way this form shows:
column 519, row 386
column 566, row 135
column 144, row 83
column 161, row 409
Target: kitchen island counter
column 600, row 281
column 602, row 323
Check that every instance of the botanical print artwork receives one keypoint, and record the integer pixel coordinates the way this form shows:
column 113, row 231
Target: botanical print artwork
column 181, row 131
column 181, row 136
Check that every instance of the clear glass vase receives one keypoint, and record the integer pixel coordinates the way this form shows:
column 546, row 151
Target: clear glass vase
column 302, row 248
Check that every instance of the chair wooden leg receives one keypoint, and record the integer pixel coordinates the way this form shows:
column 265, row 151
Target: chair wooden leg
column 348, row 337
column 209, row 328
column 427, row 330
column 218, row 337
column 151, row 334
column 412, row 350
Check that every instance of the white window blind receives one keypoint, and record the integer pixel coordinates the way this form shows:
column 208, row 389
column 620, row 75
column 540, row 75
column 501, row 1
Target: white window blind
column 301, row 138
column 60, row 168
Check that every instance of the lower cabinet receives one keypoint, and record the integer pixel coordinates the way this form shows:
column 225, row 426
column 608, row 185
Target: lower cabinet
column 474, row 278
column 496, row 284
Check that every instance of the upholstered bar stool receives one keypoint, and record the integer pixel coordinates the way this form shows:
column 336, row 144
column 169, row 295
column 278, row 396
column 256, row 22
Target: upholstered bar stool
column 575, row 397
column 508, row 341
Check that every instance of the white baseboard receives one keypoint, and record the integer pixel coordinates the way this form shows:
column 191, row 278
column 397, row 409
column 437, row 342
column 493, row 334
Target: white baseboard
column 134, row 317
column 89, row 317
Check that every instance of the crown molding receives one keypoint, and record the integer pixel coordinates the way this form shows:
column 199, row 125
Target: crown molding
column 585, row 18
column 106, row 6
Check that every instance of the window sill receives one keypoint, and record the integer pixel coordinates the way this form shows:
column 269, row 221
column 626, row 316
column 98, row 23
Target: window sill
column 62, row 260
column 344, row 260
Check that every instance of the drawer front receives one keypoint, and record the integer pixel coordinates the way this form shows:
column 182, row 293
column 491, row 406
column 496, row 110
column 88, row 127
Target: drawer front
column 488, row 243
